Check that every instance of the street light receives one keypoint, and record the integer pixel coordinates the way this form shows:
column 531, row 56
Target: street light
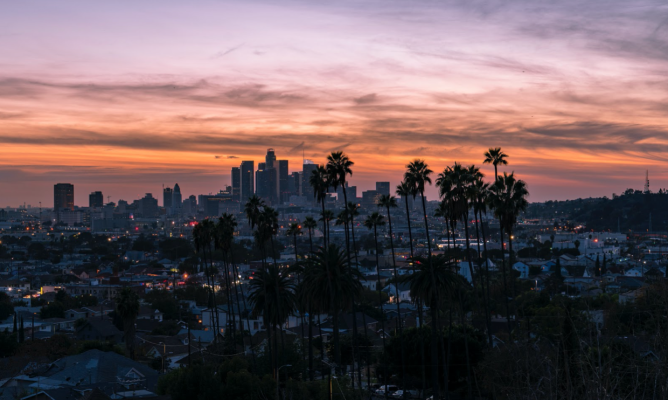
column 278, row 378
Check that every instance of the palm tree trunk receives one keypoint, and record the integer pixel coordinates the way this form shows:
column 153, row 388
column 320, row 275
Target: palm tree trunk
column 434, row 349
column 311, row 372
column 380, row 302
column 468, row 248
column 301, row 313
column 396, row 283
column 310, row 239
column 488, row 321
column 505, row 286
column 322, row 348
column 466, row 348
column 324, row 225
column 213, row 290
column 354, row 341
column 231, row 322
column 250, row 334
column 419, row 306
column 359, row 354
column 510, row 259
column 278, row 297
column 434, row 367
column 489, row 298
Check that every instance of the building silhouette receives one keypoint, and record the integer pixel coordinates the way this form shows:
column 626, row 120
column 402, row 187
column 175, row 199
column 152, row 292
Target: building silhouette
column 283, row 182
column 383, row 188
column 176, row 198
column 307, row 170
column 236, row 183
column 63, row 198
column 247, row 180
column 95, row 200
column 167, row 197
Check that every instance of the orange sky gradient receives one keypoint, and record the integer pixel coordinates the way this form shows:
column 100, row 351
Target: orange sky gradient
column 124, row 97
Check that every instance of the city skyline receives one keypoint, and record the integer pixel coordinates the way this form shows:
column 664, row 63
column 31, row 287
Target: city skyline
column 578, row 108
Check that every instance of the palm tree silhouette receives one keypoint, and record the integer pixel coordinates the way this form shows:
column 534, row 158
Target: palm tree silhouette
column 310, row 224
column 388, row 202
column 418, row 176
column 495, row 157
column 330, row 285
column 509, row 199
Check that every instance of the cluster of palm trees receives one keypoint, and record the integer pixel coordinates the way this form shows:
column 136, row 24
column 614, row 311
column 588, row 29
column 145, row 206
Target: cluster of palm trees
column 327, row 278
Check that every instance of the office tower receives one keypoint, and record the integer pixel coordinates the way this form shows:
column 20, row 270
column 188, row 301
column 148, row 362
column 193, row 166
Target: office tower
column 167, row 197
column 176, row 197
column 283, row 185
column 307, row 170
column 294, row 184
column 63, row 198
column 247, row 181
column 370, row 199
column 270, row 159
column 383, row 188
column 266, row 183
column 95, row 200
column 236, row 183
column 148, row 206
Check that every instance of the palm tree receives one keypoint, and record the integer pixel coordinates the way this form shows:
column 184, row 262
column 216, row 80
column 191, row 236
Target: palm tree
column 293, row 230
column 495, row 157
column 272, row 295
column 417, row 176
column 508, row 200
column 252, row 209
column 389, row 202
column 319, row 181
column 405, row 189
column 227, row 225
column 372, row 222
column 310, row 224
column 339, row 166
column 127, row 307
column 433, row 279
column 331, row 285
column 480, row 192
column 207, row 232
column 326, row 217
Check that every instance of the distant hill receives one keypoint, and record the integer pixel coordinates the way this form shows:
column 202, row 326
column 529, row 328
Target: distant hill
column 629, row 211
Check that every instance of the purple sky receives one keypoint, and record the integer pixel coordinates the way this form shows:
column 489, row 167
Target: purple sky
column 125, row 96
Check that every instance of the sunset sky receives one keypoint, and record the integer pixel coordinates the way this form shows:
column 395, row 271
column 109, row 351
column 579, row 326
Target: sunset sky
column 123, row 96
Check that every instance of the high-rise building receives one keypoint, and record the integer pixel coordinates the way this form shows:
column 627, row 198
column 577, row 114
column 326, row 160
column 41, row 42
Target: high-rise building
column 370, row 199
column 307, row 170
column 63, row 198
column 95, row 200
column 247, row 182
column 266, row 183
column 294, row 184
column 283, row 184
column 167, row 197
column 148, row 206
column 176, row 197
column 383, row 188
column 236, row 183
column 270, row 159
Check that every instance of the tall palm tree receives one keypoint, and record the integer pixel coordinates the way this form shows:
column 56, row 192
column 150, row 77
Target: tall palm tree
column 272, row 295
column 252, row 209
column 406, row 189
column 206, row 232
column 319, row 181
column 294, row 230
column 389, row 202
column 339, row 166
column 330, row 285
column 495, row 157
column 228, row 224
column 417, row 176
column 480, row 192
column 223, row 233
column 310, row 224
column 372, row 222
column 326, row 217
column 127, row 307
column 433, row 280
column 508, row 199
